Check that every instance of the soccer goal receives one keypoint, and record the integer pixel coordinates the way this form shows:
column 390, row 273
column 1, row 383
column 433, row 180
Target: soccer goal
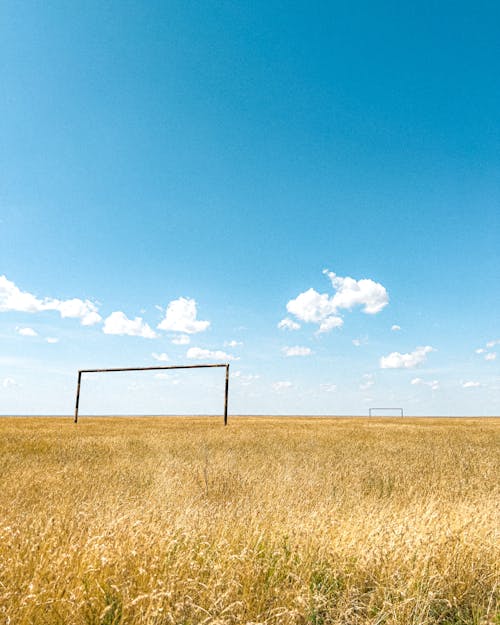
column 158, row 368
column 385, row 412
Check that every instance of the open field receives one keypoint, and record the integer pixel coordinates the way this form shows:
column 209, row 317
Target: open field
column 270, row 520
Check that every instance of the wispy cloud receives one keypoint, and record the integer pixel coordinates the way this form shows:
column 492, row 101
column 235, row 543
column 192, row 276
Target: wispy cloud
column 9, row 383
column 471, row 384
column 288, row 324
column 329, row 388
column 282, row 385
column 181, row 339
column 297, row 350
column 244, row 379
column 434, row 385
column 199, row 353
column 360, row 341
column 233, row 343
column 163, row 357
column 485, row 351
column 367, row 381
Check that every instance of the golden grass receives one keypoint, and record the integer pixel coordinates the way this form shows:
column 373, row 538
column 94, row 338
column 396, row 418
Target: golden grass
column 156, row 521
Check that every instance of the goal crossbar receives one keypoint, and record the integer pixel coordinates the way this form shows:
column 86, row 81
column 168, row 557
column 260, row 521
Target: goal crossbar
column 155, row 368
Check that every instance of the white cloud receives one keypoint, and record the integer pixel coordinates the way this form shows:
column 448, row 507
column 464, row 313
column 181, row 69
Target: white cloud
column 471, row 384
column 281, row 386
column 288, row 324
column 329, row 388
column 365, row 292
column 13, row 299
column 395, row 360
column 9, row 383
column 199, row 354
column 52, row 339
column 395, row 328
column 119, row 323
column 75, row 308
column 311, row 306
column 160, row 357
column 181, row 317
column 359, row 342
column 162, row 376
column 330, row 323
column 232, row 344
column 367, row 381
column 27, row 332
column 248, row 379
column 182, row 339
column 488, row 355
column 297, row 351
column 323, row 309
column 432, row 384
column 245, row 380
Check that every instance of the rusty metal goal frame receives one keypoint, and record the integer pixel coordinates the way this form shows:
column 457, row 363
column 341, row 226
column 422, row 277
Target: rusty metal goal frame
column 81, row 371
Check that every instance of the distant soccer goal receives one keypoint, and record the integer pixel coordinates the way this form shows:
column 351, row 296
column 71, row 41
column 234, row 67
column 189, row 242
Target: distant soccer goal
column 158, row 368
column 385, row 412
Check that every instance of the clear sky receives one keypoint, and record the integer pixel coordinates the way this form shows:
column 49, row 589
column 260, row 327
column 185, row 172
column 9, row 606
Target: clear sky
column 311, row 190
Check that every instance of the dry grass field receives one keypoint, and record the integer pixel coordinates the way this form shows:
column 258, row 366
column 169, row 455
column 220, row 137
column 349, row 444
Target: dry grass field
column 154, row 521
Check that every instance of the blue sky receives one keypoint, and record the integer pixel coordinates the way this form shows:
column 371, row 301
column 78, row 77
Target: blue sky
column 217, row 168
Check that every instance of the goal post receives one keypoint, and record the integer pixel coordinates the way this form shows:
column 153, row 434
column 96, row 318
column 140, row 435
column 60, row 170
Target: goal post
column 81, row 371
column 372, row 410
